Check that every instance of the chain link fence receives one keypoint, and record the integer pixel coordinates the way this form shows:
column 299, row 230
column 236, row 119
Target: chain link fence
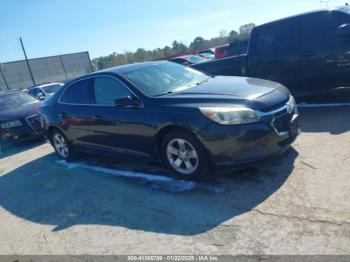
column 60, row 68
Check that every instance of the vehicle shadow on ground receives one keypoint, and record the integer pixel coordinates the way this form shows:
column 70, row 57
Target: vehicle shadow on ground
column 48, row 192
column 333, row 120
column 8, row 149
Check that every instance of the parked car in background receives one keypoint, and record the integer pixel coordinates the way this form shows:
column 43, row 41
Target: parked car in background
column 43, row 91
column 208, row 56
column 19, row 119
column 188, row 59
column 207, row 51
column 188, row 120
column 308, row 53
column 221, row 51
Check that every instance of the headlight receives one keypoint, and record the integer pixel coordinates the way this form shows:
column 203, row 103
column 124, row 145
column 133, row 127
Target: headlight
column 230, row 115
column 291, row 105
column 10, row 124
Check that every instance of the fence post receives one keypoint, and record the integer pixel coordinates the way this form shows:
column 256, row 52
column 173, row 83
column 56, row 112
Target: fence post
column 64, row 69
column 3, row 77
column 25, row 56
column 92, row 69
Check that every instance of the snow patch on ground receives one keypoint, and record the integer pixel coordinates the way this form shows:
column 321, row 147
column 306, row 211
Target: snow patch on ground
column 156, row 181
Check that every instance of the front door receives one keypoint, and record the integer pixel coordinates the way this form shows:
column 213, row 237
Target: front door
column 118, row 127
column 324, row 56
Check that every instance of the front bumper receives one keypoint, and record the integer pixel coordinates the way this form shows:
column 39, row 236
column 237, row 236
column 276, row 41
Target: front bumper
column 231, row 146
column 15, row 134
column 28, row 130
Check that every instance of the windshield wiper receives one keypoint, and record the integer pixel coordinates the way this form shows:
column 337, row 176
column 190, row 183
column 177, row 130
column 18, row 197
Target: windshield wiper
column 179, row 89
column 164, row 94
column 200, row 82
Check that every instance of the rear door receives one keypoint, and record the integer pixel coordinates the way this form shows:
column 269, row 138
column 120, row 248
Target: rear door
column 324, row 56
column 76, row 112
column 273, row 54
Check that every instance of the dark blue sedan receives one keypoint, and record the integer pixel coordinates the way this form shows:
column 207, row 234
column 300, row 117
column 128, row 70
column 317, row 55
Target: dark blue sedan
column 190, row 121
column 19, row 119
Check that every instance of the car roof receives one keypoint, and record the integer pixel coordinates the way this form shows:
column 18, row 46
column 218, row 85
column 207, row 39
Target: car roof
column 119, row 69
column 130, row 67
column 44, row 85
column 345, row 9
column 184, row 56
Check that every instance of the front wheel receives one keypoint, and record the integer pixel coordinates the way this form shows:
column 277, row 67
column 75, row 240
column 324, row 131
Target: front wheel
column 61, row 145
column 185, row 155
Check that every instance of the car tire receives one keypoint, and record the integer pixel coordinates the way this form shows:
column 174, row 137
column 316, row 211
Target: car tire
column 184, row 154
column 62, row 146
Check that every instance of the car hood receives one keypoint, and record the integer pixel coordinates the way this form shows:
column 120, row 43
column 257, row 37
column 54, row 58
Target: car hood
column 19, row 113
column 233, row 87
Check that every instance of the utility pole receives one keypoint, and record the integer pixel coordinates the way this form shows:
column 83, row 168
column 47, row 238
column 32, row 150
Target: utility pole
column 3, row 77
column 25, row 55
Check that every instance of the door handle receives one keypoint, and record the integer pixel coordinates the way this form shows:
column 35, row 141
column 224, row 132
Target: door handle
column 308, row 54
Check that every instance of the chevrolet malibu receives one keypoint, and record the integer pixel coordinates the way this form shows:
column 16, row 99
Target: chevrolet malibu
column 188, row 120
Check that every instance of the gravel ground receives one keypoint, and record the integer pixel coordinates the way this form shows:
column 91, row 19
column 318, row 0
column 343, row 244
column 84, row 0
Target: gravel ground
column 295, row 204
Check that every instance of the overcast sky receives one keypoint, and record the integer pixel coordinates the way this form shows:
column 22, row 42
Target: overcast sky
column 104, row 26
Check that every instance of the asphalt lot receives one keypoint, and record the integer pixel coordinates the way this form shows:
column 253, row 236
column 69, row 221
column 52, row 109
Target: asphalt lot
column 295, row 204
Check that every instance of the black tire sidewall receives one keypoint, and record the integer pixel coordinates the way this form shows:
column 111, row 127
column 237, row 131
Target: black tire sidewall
column 203, row 163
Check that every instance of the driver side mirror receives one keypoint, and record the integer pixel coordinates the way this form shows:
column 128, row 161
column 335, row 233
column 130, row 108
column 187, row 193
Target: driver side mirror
column 127, row 101
column 40, row 96
column 343, row 30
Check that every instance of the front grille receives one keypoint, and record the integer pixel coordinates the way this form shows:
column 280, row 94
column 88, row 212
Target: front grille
column 282, row 122
column 34, row 123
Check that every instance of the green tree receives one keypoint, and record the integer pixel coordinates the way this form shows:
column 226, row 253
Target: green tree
column 233, row 36
column 245, row 30
column 176, row 48
column 197, row 44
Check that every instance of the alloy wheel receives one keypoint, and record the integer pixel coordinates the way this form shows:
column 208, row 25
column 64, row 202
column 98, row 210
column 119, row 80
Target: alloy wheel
column 182, row 156
column 61, row 145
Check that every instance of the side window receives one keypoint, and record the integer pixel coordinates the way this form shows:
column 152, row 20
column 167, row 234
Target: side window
column 319, row 31
column 277, row 40
column 78, row 93
column 107, row 90
column 33, row 92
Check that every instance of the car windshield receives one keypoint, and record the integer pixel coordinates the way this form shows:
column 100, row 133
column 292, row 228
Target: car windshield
column 165, row 78
column 50, row 89
column 15, row 100
column 195, row 59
